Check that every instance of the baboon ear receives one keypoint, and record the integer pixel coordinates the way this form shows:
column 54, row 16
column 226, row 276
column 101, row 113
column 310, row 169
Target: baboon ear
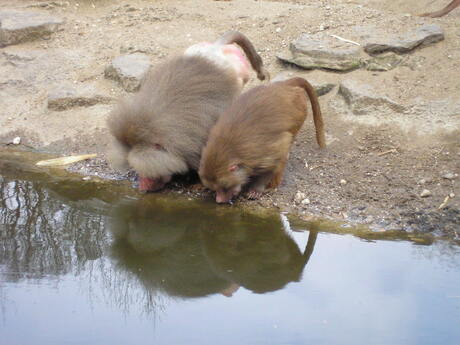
column 233, row 167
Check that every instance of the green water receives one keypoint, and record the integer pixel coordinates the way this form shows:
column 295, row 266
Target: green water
column 91, row 263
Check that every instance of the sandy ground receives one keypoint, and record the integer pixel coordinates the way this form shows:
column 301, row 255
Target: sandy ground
column 376, row 165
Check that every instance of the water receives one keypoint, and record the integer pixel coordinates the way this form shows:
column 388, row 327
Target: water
column 83, row 263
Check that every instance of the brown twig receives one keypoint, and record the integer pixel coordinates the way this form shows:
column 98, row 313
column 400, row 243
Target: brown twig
column 387, row 152
column 444, row 203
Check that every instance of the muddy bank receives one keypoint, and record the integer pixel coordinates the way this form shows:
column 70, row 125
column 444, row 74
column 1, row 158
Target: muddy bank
column 103, row 193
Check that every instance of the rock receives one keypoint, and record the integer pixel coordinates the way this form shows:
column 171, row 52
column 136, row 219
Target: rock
column 422, row 181
column 18, row 57
column 362, row 98
column 320, row 88
column 343, row 182
column 449, row 176
column 50, row 5
column 21, row 26
column 322, row 51
column 67, row 97
column 299, row 196
column 405, row 42
column 128, row 48
column 425, row 193
column 16, row 141
column 305, row 201
column 384, row 62
column 128, row 70
column 368, row 219
column 323, row 88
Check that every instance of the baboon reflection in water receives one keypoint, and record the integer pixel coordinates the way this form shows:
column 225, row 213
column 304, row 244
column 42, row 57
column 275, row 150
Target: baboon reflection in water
column 191, row 251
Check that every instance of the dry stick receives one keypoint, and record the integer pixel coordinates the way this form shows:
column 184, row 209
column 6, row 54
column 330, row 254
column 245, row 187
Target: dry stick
column 387, row 152
column 315, row 167
column 345, row 40
column 444, row 203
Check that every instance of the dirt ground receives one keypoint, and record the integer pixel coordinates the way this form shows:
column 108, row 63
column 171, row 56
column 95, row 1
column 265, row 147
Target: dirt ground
column 376, row 165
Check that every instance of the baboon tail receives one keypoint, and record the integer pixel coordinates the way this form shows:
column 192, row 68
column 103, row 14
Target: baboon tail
column 256, row 61
column 317, row 117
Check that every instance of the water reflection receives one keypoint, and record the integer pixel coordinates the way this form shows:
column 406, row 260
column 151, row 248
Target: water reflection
column 42, row 235
column 205, row 251
column 181, row 249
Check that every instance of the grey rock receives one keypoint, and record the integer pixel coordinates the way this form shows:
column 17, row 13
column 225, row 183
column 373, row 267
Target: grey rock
column 362, row 98
column 19, row 56
column 50, row 5
column 305, row 201
column 67, row 97
column 128, row 70
column 320, row 88
column 403, row 43
column 425, row 193
column 20, row 26
column 384, row 62
column 449, row 176
column 322, row 51
column 323, row 88
column 132, row 48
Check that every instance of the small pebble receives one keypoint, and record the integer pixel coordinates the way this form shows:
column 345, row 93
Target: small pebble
column 299, row 196
column 278, row 30
column 449, row 176
column 425, row 193
column 86, row 178
column 16, row 141
column 451, row 195
column 343, row 182
column 305, row 201
column 422, row 181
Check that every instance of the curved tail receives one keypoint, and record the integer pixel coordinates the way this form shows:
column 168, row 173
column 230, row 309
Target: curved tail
column 317, row 117
column 256, row 61
column 451, row 6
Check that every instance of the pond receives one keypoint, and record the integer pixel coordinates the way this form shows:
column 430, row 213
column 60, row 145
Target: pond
column 83, row 263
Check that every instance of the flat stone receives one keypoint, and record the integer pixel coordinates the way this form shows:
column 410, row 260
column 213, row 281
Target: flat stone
column 320, row 88
column 362, row 98
column 67, row 97
column 128, row 70
column 403, row 43
column 384, row 62
column 128, row 48
column 425, row 193
column 22, row 26
column 449, row 176
column 21, row 56
column 322, row 51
